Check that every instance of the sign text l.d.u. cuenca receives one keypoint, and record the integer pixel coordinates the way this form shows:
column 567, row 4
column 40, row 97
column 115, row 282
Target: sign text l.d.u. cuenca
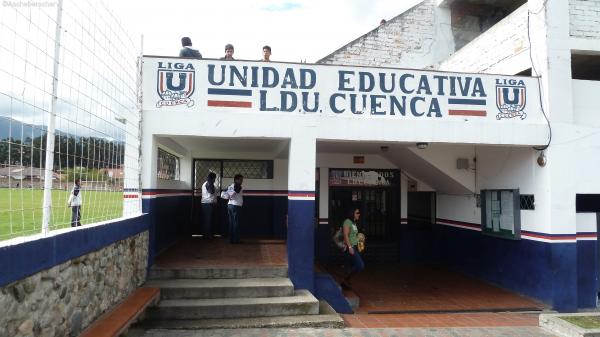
column 357, row 92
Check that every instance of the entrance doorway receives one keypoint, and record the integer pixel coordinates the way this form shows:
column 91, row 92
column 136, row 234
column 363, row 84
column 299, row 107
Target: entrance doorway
column 421, row 207
column 375, row 192
column 376, row 206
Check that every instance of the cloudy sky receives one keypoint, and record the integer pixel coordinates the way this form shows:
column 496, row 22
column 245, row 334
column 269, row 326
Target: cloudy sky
column 295, row 29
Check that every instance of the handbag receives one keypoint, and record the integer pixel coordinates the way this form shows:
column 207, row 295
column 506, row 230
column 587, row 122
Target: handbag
column 338, row 239
column 361, row 242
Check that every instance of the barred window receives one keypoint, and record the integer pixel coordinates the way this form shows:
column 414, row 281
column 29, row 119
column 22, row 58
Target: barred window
column 201, row 170
column 168, row 165
column 527, row 202
column 250, row 169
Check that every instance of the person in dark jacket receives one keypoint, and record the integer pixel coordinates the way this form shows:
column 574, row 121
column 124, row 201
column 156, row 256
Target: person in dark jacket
column 188, row 50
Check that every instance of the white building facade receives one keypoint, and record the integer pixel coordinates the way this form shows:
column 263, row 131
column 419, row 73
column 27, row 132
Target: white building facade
column 430, row 124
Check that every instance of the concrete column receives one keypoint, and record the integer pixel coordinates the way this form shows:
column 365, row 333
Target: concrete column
column 301, row 207
column 549, row 31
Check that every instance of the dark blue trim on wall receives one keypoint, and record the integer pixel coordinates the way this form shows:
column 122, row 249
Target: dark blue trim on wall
column 28, row 258
column 327, row 289
column 564, row 276
column 542, row 270
column 587, row 273
column 300, row 243
column 523, row 266
column 169, row 219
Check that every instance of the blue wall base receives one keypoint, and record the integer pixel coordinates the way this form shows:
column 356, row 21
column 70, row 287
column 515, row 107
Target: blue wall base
column 327, row 289
column 28, row 258
column 300, row 243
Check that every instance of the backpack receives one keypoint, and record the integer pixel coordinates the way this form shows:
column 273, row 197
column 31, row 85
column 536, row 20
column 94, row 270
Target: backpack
column 338, row 238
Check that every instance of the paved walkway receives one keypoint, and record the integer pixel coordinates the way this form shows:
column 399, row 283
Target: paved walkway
column 408, row 290
column 406, row 332
column 456, row 320
column 198, row 252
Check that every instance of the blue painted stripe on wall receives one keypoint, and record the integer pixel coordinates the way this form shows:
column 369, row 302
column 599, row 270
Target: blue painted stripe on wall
column 168, row 220
column 300, row 243
column 546, row 271
column 523, row 266
column 547, row 236
column 327, row 289
column 230, row 92
column 587, row 274
column 465, row 101
column 25, row 259
column 564, row 277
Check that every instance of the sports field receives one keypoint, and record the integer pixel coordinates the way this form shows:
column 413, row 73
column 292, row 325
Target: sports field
column 21, row 210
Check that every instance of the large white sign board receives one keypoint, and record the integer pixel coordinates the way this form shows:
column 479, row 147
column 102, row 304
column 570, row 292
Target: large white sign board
column 173, row 84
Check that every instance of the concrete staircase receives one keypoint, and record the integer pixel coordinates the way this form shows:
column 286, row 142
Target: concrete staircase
column 233, row 297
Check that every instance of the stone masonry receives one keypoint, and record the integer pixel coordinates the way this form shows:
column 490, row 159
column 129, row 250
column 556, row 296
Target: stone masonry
column 585, row 18
column 404, row 36
column 63, row 300
column 504, row 41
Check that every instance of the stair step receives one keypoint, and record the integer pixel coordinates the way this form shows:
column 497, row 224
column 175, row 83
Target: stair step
column 302, row 303
column 299, row 321
column 327, row 318
column 223, row 288
column 216, row 272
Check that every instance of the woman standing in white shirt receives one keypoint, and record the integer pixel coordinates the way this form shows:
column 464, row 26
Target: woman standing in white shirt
column 209, row 203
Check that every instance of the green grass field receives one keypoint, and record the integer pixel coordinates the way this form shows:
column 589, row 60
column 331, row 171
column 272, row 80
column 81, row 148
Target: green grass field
column 586, row 322
column 21, row 210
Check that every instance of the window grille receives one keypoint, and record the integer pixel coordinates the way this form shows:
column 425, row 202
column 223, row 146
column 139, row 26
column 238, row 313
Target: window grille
column 527, row 202
column 201, row 170
column 168, row 165
column 250, row 169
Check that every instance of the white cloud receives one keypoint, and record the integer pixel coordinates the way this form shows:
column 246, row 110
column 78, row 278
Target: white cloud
column 296, row 30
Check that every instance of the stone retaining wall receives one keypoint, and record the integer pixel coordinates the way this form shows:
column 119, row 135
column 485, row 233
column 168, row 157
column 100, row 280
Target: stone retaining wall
column 63, row 300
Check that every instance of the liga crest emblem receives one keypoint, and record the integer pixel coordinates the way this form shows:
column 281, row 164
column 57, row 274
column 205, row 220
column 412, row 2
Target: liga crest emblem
column 511, row 98
column 175, row 84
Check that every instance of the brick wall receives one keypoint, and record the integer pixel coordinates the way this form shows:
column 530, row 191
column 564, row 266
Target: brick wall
column 407, row 40
column 585, row 18
column 503, row 43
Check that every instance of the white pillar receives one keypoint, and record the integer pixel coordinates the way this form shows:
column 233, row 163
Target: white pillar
column 301, row 207
column 549, row 31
